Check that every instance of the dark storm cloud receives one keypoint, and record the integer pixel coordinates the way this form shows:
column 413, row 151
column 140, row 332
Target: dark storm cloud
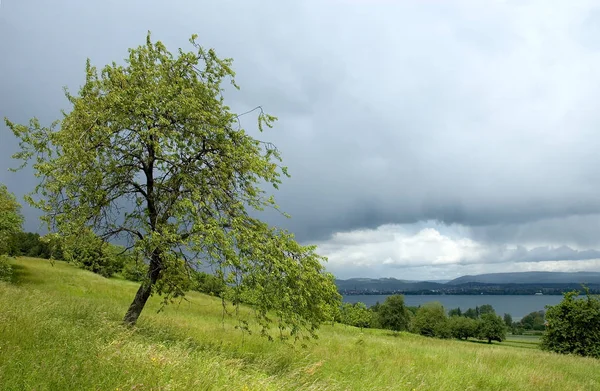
column 482, row 116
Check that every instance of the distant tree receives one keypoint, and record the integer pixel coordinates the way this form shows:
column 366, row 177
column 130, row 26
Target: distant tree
column 573, row 326
column 357, row 315
column 393, row 314
column 533, row 321
column 431, row 320
column 208, row 283
column 492, row 328
column 11, row 221
column 471, row 313
column 151, row 154
column 455, row 312
column 90, row 252
column 11, row 218
column 462, row 327
column 486, row 309
column 508, row 321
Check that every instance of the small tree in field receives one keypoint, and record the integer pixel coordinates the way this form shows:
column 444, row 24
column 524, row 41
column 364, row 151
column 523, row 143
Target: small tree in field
column 393, row 314
column 150, row 154
column 491, row 327
column 573, row 326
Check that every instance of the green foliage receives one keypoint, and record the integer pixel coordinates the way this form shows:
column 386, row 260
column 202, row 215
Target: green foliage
column 491, row 327
column 533, row 321
column 573, row 326
column 29, row 244
column 134, row 269
column 486, row 309
column 157, row 146
column 357, row 315
column 208, row 283
column 462, row 327
column 472, row 313
column 508, row 321
column 393, row 314
column 11, row 218
column 6, row 270
column 431, row 320
column 455, row 312
column 87, row 251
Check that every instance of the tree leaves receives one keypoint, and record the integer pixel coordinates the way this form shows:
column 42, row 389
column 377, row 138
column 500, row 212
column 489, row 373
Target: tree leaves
column 149, row 154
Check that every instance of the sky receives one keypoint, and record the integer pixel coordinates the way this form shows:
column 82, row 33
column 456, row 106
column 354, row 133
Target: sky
column 425, row 139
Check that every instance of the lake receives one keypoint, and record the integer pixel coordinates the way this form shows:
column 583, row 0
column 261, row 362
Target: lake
column 516, row 305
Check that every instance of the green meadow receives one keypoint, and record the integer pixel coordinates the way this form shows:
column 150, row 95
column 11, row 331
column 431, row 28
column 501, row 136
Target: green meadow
column 60, row 329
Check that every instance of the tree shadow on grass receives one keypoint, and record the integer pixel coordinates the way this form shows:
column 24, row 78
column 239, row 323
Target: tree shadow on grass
column 22, row 275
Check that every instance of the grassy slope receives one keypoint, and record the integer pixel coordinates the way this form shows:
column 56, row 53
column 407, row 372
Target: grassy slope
column 59, row 330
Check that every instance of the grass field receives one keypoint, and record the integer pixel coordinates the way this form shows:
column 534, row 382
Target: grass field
column 60, row 330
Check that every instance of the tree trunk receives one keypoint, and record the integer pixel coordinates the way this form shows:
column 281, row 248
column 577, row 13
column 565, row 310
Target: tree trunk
column 143, row 293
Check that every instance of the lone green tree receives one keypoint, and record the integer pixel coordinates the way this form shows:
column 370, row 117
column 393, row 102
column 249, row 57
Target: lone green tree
column 150, row 154
column 573, row 326
column 491, row 327
column 393, row 314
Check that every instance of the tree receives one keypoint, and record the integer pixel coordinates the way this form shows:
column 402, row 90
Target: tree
column 573, row 326
column 508, row 321
column 393, row 314
column 492, row 328
column 534, row 321
column 471, row 313
column 430, row 320
column 462, row 327
column 486, row 309
column 455, row 312
column 11, row 219
column 150, row 154
column 357, row 315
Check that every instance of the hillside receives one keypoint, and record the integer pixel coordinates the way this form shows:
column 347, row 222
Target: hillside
column 530, row 278
column 60, row 330
column 384, row 285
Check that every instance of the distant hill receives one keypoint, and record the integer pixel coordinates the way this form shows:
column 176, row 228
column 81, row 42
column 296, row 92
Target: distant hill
column 385, row 285
column 494, row 283
column 530, row 278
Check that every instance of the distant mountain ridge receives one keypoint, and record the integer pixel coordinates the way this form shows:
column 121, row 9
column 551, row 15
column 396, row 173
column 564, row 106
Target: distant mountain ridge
column 530, row 278
column 492, row 283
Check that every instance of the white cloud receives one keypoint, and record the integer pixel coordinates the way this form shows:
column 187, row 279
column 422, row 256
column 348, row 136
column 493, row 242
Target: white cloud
column 393, row 250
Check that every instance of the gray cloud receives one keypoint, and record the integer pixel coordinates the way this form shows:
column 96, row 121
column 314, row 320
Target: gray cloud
column 473, row 115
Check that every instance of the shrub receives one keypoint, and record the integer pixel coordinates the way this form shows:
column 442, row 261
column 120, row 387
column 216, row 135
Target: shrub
column 573, row 326
column 5, row 268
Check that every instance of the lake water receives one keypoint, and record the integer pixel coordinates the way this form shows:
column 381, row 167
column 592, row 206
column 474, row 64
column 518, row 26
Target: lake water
column 516, row 305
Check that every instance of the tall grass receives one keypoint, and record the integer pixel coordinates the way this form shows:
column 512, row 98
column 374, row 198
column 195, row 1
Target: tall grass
column 60, row 330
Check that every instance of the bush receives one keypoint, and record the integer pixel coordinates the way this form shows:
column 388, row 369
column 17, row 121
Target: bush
column 5, row 268
column 90, row 252
column 573, row 326
column 208, row 283
column 357, row 315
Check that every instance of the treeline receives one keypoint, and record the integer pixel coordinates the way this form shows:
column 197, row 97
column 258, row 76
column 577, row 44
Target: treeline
column 90, row 252
column 429, row 319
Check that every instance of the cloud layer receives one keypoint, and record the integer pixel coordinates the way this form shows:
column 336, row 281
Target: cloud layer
column 450, row 133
